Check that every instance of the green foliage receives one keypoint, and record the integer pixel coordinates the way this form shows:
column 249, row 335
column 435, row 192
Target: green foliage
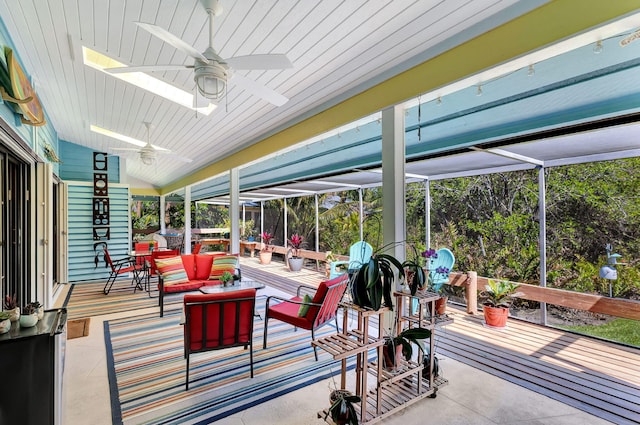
column 343, row 405
column 499, row 293
column 375, row 281
column 409, row 336
column 626, row 331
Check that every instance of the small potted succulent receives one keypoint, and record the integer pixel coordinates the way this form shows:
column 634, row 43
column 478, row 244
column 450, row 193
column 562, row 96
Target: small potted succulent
column 5, row 322
column 39, row 309
column 227, row 278
column 11, row 306
column 29, row 316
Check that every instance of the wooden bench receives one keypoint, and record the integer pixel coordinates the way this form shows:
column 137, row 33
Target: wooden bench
column 304, row 253
column 251, row 246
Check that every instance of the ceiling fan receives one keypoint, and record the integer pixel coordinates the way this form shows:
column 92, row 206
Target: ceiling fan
column 212, row 73
column 148, row 153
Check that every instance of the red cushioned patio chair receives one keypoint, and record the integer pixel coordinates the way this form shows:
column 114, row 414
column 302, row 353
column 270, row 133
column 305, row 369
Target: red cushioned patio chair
column 321, row 310
column 217, row 321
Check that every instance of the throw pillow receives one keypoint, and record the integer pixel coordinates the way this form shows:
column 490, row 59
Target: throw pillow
column 221, row 264
column 218, row 269
column 172, row 270
column 304, row 308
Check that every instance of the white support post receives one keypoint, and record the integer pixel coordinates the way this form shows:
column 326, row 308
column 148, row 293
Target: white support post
column 163, row 214
column 187, row 220
column 361, row 214
column 427, row 213
column 261, row 218
column 542, row 207
column 393, row 181
column 286, row 223
column 234, row 209
column 317, row 247
column 393, row 187
column 244, row 221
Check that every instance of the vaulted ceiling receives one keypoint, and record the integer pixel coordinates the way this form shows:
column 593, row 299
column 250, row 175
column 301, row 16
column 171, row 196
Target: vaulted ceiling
column 341, row 52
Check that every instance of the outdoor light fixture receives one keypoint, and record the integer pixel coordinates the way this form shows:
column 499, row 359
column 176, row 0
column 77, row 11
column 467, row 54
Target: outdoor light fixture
column 598, row 47
column 211, row 81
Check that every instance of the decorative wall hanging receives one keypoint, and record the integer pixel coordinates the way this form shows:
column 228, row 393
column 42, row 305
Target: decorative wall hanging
column 100, row 184
column 100, row 207
column 16, row 89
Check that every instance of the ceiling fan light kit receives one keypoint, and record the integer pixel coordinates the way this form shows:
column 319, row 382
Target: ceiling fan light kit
column 212, row 73
column 211, row 78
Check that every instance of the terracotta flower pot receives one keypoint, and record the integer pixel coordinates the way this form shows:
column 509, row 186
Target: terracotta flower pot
column 265, row 257
column 495, row 317
column 392, row 354
column 441, row 305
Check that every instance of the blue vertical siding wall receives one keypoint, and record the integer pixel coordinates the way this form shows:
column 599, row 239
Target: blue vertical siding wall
column 77, row 164
column 81, row 244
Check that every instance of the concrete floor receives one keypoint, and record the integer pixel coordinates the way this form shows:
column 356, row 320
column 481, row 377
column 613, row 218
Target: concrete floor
column 471, row 397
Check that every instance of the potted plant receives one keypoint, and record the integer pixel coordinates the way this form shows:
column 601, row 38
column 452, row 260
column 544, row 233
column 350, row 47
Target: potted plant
column 29, row 316
column 343, row 408
column 434, row 279
column 400, row 345
column 374, row 281
column 5, row 322
column 295, row 262
column 39, row 309
column 496, row 299
column 226, row 277
column 414, row 271
column 11, row 305
column 267, row 250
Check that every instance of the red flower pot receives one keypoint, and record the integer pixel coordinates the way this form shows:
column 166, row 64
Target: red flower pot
column 495, row 317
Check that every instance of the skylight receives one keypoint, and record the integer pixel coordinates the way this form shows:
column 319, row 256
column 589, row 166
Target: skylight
column 140, row 79
column 122, row 137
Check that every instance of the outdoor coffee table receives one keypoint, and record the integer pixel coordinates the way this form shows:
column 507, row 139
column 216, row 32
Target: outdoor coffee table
column 243, row 284
column 237, row 286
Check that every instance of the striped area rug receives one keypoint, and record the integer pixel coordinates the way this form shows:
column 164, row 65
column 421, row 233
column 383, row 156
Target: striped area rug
column 147, row 370
column 87, row 299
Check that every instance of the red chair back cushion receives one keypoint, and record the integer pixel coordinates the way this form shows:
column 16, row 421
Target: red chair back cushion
column 225, row 325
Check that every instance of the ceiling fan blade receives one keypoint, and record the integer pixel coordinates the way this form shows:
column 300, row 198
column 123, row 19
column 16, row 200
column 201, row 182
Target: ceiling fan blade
column 147, row 68
column 171, row 39
column 275, row 61
column 125, row 149
column 259, row 90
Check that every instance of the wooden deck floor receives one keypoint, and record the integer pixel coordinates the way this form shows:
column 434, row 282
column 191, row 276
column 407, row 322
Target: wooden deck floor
column 597, row 377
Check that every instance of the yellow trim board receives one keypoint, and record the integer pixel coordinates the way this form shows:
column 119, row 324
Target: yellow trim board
column 550, row 23
column 138, row 191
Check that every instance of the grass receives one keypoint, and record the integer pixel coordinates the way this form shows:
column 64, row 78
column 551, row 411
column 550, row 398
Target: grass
column 626, row 331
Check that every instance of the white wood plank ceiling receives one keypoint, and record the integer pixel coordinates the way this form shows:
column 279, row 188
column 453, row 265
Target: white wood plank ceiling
column 336, row 47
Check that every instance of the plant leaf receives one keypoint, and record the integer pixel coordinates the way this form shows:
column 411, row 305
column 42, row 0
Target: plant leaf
column 373, row 272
